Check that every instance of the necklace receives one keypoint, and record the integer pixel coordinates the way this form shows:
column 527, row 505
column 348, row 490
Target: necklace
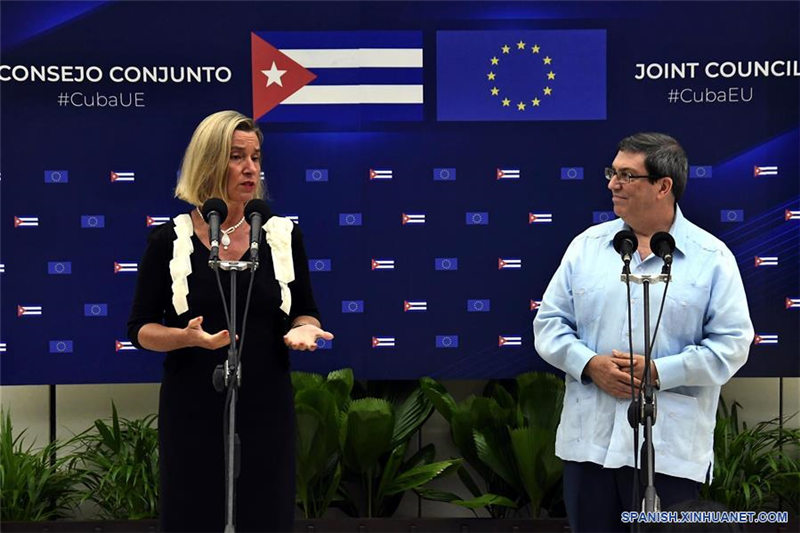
column 226, row 240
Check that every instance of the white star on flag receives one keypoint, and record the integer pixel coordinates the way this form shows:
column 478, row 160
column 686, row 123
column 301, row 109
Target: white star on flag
column 274, row 75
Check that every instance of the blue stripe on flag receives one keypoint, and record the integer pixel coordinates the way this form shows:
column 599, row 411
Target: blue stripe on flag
column 367, row 76
column 345, row 113
column 288, row 40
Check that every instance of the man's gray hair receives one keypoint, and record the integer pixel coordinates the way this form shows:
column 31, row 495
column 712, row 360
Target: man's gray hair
column 663, row 157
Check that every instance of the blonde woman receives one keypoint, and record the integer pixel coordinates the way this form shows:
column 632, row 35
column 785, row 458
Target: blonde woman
column 177, row 309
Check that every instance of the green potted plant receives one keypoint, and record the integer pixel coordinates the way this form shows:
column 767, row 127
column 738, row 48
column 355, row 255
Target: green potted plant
column 35, row 484
column 507, row 436
column 117, row 462
column 755, row 468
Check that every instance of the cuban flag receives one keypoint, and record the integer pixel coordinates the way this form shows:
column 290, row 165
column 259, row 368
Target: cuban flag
column 122, row 176
column 414, row 306
column 383, row 342
column 383, row 264
column 763, row 338
column 156, row 221
column 2, row 268
column 766, row 261
column 125, row 267
column 293, row 218
column 535, row 304
column 29, row 310
column 509, row 340
column 380, row 174
column 540, row 218
column 26, row 222
column 2, row 347
column 508, row 174
column 791, row 215
column 792, row 303
column 413, row 219
column 508, row 263
column 121, row 346
column 337, row 76
column 765, row 171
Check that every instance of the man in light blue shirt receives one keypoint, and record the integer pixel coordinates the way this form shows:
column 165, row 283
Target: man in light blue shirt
column 581, row 328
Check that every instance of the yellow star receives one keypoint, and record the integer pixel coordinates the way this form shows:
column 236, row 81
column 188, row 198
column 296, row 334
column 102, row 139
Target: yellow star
column 535, row 48
column 535, row 102
column 547, row 91
column 547, row 60
column 521, row 45
column 521, row 106
column 551, row 75
column 491, row 75
column 506, row 102
column 506, row 48
column 495, row 91
column 495, row 61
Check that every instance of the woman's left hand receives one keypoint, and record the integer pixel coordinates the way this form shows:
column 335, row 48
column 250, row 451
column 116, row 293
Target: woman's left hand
column 305, row 337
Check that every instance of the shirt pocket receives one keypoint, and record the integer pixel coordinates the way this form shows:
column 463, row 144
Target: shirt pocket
column 588, row 300
column 676, row 423
column 580, row 400
column 684, row 312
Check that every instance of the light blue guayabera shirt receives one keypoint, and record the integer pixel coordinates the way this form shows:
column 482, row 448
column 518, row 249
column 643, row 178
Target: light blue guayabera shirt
column 703, row 340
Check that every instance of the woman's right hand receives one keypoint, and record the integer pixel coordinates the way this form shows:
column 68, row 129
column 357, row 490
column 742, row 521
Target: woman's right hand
column 197, row 336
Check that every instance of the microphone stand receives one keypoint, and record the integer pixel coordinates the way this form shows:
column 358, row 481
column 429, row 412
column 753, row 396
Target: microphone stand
column 644, row 409
column 229, row 377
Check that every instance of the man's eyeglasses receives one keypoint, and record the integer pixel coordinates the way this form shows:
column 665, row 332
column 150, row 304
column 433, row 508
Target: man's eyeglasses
column 625, row 176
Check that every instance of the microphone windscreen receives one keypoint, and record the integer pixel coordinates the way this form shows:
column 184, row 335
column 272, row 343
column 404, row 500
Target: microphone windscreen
column 621, row 237
column 214, row 204
column 662, row 243
column 257, row 205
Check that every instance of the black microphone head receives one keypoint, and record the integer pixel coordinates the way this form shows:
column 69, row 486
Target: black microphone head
column 662, row 244
column 257, row 205
column 214, row 204
column 625, row 242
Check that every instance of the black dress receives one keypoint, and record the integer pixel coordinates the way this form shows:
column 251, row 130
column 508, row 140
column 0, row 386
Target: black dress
column 192, row 490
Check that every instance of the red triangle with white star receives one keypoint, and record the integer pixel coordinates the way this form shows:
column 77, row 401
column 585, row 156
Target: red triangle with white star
column 264, row 56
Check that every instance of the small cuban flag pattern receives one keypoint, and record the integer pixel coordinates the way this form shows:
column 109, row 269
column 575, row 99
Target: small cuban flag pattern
column 415, row 305
column 380, row 174
column 764, row 338
column 156, row 221
column 765, row 171
column 121, row 346
column 762, row 261
column 125, row 267
column 383, row 342
column 120, row 176
column 508, row 173
column 540, row 218
column 509, row 340
column 506, row 263
column 383, row 264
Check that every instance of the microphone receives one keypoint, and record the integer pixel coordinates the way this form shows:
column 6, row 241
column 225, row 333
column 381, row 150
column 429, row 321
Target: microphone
column 257, row 213
column 214, row 212
column 625, row 243
column 662, row 244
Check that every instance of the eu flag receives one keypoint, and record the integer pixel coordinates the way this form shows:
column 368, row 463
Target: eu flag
column 521, row 75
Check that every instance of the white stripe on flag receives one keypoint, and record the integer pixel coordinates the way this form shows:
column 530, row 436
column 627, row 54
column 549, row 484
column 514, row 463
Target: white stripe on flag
column 356, row 94
column 357, row 57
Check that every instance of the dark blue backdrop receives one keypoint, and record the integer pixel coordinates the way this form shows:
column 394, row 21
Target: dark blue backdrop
column 56, row 261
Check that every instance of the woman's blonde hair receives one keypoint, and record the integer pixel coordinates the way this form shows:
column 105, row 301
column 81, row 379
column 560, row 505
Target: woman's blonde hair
column 204, row 169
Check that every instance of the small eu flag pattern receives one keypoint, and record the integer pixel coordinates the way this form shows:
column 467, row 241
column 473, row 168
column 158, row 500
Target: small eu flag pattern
column 96, row 309
column 479, row 306
column 56, row 176
column 316, row 174
column 93, row 221
column 731, row 215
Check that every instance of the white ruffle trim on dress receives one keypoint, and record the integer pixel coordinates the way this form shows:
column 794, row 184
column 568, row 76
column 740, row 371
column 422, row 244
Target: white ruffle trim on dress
column 181, row 265
column 279, row 238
